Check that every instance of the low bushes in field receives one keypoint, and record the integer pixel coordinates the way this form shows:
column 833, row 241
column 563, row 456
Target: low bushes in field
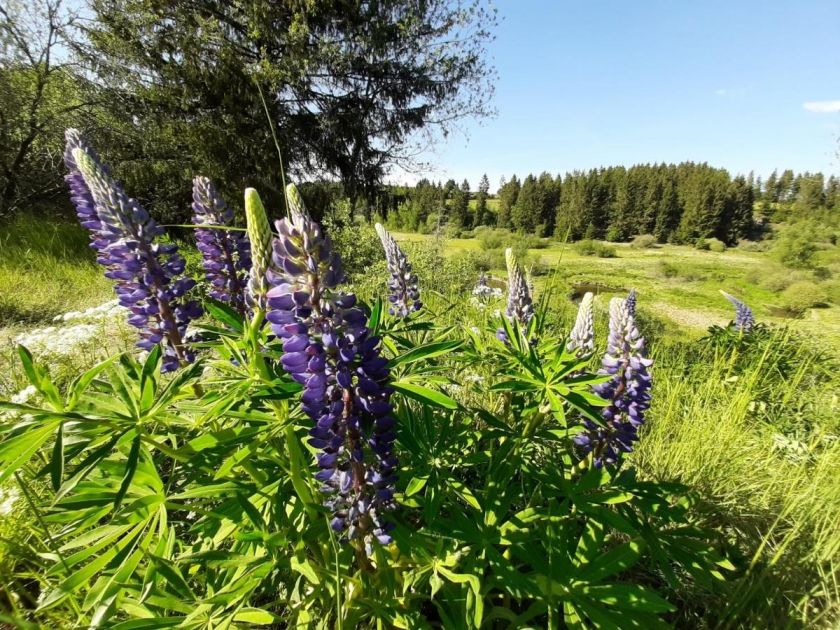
column 643, row 241
column 802, row 295
column 589, row 247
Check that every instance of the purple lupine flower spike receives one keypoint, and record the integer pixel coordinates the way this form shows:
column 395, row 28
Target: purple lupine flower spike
column 148, row 275
column 328, row 348
column 405, row 296
column 628, row 391
column 630, row 301
column 519, row 305
column 226, row 254
column 582, row 338
column 744, row 319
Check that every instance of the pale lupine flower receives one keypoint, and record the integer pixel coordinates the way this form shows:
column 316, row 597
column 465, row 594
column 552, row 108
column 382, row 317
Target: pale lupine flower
column 744, row 319
column 404, row 293
column 627, row 391
column 582, row 337
column 519, row 306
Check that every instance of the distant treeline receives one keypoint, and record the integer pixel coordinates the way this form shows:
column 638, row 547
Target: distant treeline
column 675, row 202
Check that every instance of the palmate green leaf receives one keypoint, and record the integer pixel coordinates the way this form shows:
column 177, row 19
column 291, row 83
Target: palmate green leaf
column 130, row 468
column 80, row 384
column 426, row 351
column 614, row 561
column 18, row 450
column 39, row 378
column 256, row 616
column 57, row 459
column 224, row 313
column 424, row 395
column 148, row 383
column 630, row 597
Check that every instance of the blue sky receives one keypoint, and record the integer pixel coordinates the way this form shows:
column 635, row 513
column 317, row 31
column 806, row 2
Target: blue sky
column 743, row 85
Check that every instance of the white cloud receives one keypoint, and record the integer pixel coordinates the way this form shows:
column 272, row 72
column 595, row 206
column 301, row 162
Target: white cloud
column 822, row 107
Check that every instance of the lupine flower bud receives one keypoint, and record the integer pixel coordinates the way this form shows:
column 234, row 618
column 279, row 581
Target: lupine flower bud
column 80, row 194
column 148, row 275
column 744, row 319
column 628, row 390
column 630, row 302
column 259, row 235
column 328, row 348
column 226, row 254
column 582, row 337
column 405, row 296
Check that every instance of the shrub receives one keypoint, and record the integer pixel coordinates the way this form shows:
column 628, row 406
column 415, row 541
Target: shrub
column 716, row 245
column 594, row 248
column 802, row 295
column 643, row 241
column 753, row 246
column 796, row 246
column 775, row 281
column 701, row 244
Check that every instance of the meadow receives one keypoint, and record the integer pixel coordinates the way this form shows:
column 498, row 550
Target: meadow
column 752, row 431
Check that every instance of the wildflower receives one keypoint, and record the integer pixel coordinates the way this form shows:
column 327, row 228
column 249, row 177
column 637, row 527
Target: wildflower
column 744, row 319
column 582, row 337
column 259, row 235
column 627, row 391
column 328, row 348
column 148, row 275
column 226, row 254
column 405, row 296
column 519, row 307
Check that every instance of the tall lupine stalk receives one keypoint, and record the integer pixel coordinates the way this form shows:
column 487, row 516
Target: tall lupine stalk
column 582, row 338
column 226, row 254
column 404, row 293
column 329, row 349
column 148, row 275
column 744, row 319
column 520, row 308
column 627, row 391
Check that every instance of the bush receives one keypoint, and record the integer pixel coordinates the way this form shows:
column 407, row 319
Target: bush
column 796, row 246
column 643, row 241
column 802, row 295
column 775, row 281
column 356, row 242
column 594, row 248
column 716, row 245
column 753, row 246
column 701, row 244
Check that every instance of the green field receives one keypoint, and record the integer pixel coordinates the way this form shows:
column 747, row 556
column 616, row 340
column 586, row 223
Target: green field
column 679, row 284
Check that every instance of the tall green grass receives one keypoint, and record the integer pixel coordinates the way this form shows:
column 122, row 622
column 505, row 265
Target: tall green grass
column 758, row 440
column 46, row 268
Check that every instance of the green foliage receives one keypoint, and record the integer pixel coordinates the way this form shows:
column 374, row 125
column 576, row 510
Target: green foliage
column 355, row 241
column 186, row 81
column 802, row 295
column 796, row 246
column 595, row 248
column 46, row 268
column 643, row 241
column 189, row 499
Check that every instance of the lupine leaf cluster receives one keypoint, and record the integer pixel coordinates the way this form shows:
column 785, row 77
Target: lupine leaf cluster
column 325, row 463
